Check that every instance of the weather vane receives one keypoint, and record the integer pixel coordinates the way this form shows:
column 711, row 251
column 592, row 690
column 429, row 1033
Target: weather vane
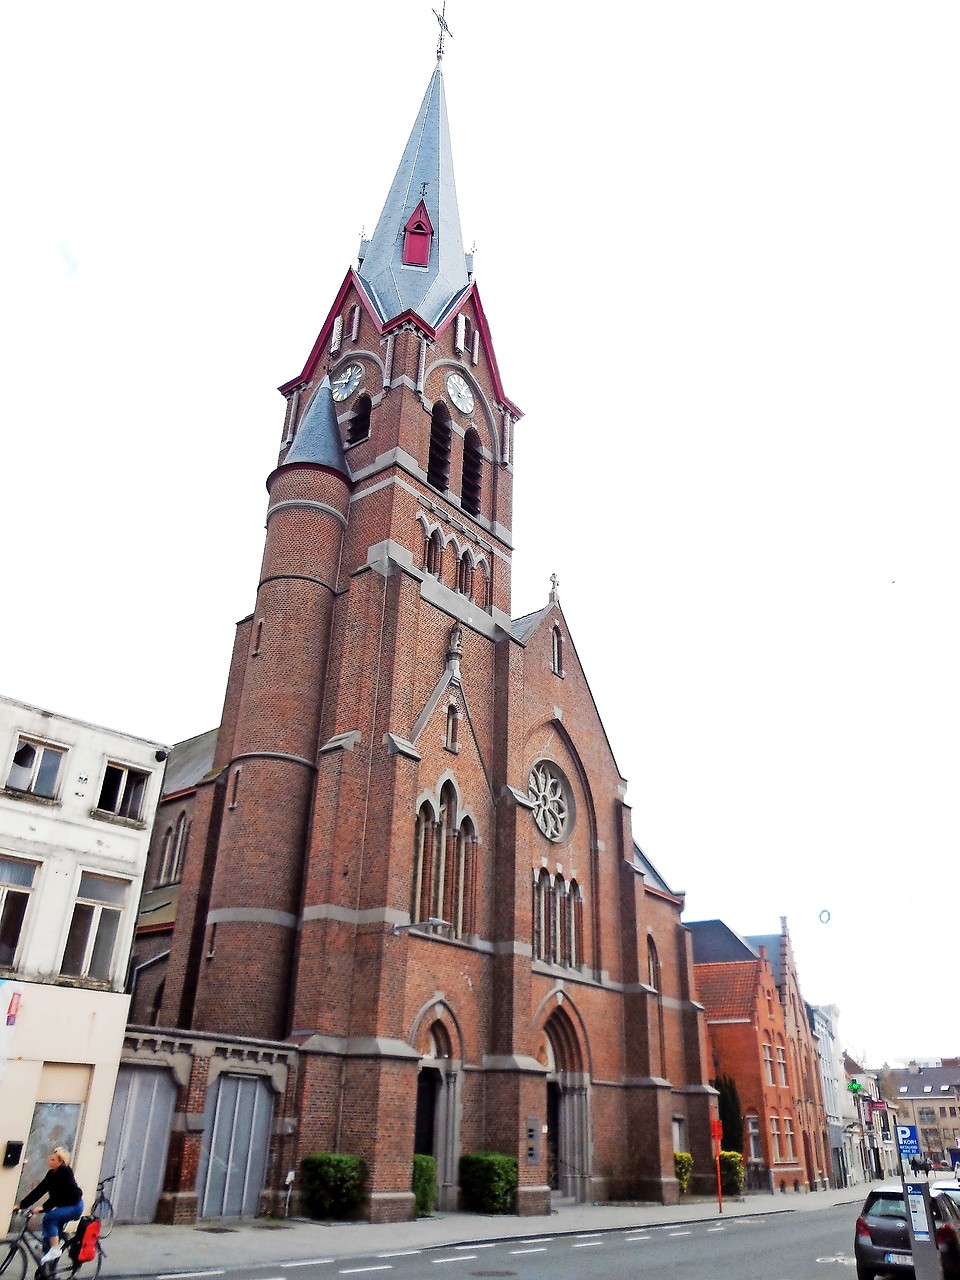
column 444, row 29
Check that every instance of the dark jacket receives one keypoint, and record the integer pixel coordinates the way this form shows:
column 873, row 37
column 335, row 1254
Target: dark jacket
column 60, row 1188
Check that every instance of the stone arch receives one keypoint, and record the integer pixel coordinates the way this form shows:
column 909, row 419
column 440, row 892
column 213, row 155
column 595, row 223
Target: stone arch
column 437, row 1035
column 564, row 1052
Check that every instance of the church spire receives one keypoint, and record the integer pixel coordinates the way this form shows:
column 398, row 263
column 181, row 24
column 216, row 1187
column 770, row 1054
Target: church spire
column 415, row 261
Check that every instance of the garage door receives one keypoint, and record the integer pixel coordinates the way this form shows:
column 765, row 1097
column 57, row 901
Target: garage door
column 236, row 1140
column 137, row 1139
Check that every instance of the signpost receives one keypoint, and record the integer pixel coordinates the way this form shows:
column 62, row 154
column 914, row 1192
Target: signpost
column 916, row 1199
column 716, row 1132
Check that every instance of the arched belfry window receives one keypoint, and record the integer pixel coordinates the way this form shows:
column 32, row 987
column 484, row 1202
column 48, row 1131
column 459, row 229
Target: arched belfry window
column 472, row 473
column 441, row 436
column 359, row 427
column 417, row 234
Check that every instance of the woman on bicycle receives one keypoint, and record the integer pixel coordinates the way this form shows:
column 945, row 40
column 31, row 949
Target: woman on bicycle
column 64, row 1201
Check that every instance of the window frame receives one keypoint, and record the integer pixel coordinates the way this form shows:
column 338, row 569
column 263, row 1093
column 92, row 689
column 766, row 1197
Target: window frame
column 41, row 745
column 98, row 907
column 768, row 1062
column 127, row 771
column 6, row 888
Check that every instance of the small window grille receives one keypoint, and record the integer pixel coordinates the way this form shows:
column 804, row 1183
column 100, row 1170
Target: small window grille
column 472, row 473
column 460, row 336
column 355, row 322
column 336, row 335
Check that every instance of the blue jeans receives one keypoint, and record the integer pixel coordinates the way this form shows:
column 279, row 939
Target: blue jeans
column 54, row 1220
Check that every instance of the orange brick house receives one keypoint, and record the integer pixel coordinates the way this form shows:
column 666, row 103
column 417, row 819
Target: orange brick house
column 752, row 1038
column 409, row 912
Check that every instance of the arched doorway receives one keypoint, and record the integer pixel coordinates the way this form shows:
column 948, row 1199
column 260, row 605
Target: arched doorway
column 567, row 1110
column 437, row 1117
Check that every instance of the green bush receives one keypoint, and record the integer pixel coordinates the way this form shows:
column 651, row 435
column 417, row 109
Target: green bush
column 682, row 1167
column 424, row 1184
column 488, row 1182
column 731, row 1172
column 333, row 1184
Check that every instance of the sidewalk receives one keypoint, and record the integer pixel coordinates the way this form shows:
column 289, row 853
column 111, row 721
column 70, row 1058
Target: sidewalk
column 228, row 1243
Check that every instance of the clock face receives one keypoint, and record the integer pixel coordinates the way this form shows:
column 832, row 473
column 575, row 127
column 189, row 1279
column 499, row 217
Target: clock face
column 347, row 381
column 459, row 392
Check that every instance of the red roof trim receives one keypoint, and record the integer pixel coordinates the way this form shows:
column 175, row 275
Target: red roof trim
column 352, row 280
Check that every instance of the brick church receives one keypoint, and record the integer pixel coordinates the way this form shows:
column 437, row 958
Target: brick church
column 395, row 903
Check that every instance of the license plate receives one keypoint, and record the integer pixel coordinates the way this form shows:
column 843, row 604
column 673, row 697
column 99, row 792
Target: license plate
column 898, row 1259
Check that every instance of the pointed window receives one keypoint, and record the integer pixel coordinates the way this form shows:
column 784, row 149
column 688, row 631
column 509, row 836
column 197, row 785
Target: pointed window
column 441, row 436
column 453, row 721
column 472, row 472
column 556, row 656
column 481, row 587
column 359, row 428
column 465, row 575
column 417, row 235
column 434, row 557
column 460, row 335
column 355, row 322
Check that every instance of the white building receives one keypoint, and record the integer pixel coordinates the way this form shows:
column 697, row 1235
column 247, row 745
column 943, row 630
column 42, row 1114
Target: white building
column 76, row 806
column 825, row 1019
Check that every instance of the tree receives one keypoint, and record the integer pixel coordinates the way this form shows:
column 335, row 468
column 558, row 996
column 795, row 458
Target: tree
column 731, row 1115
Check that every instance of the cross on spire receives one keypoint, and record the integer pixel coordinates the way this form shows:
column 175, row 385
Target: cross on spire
column 554, row 583
column 444, row 29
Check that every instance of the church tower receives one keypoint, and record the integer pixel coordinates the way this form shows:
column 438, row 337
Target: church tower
column 411, row 865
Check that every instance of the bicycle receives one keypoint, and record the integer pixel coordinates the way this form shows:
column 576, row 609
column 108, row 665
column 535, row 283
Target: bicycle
column 27, row 1245
column 102, row 1208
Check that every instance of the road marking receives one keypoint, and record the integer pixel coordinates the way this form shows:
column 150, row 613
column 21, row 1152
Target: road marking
column 183, row 1275
column 517, row 1252
column 400, row 1253
column 674, row 1234
column 588, row 1235
column 359, row 1271
column 716, row 1228
column 539, row 1240
column 463, row 1247
column 636, row 1237
column 464, row 1257
column 587, row 1244
column 307, row 1262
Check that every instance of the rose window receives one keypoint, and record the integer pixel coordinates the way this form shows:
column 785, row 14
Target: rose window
column 547, row 790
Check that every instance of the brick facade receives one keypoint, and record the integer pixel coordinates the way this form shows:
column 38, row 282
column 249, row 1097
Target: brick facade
column 412, row 853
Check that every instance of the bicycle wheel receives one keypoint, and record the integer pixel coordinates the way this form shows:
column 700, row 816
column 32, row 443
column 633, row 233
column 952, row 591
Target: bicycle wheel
column 103, row 1210
column 14, row 1263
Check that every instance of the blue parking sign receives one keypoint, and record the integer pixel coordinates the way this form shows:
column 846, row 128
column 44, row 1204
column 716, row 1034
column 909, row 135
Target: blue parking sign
column 907, row 1140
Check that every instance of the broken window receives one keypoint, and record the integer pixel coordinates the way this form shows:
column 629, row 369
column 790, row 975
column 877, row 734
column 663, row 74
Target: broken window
column 123, row 791
column 36, row 768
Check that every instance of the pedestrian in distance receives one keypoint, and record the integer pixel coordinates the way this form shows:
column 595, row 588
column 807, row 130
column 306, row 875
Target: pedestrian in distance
column 64, row 1201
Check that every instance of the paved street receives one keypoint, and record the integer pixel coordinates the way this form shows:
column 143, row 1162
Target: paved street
column 767, row 1237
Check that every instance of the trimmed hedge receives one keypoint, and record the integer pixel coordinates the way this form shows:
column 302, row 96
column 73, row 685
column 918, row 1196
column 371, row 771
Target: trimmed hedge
column 333, row 1184
column 731, row 1172
column 682, row 1167
column 488, row 1182
column 424, row 1184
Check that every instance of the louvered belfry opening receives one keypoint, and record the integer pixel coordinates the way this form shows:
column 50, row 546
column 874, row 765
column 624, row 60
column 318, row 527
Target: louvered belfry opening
column 438, row 462
column 472, row 472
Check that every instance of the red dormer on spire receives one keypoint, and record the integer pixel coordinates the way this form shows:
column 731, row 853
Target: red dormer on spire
column 417, row 235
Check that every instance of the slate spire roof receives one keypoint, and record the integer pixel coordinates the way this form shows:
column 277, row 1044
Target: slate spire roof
column 425, row 174
column 318, row 435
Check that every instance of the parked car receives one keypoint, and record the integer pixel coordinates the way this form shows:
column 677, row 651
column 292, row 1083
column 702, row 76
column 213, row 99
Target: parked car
column 949, row 1188
column 881, row 1243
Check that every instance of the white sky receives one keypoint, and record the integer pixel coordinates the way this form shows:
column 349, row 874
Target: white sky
column 718, row 247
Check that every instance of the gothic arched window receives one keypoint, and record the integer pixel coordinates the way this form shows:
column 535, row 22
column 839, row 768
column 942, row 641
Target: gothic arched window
column 465, row 575
column 359, row 427
column 441, row 436
column 472, row 473
column 434, row 553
